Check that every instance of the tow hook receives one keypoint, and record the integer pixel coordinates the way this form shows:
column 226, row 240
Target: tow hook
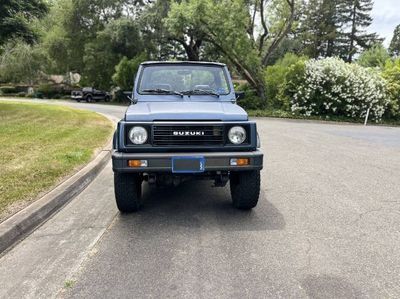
column 221, row 179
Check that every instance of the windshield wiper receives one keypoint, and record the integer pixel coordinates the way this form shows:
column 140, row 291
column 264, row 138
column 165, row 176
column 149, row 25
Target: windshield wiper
column 163, row 91
column 201, row 92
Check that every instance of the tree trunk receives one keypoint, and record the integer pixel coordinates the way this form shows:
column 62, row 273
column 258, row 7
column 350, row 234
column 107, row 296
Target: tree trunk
column 352, row 35
column 192, row 51
column 192, row 48
column 281, row 35
column 253, row 77
column 261, row 93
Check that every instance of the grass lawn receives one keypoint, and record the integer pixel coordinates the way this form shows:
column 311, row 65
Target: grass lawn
column 41, row 144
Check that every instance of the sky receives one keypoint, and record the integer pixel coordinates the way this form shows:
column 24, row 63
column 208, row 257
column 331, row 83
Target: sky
column 386, row 14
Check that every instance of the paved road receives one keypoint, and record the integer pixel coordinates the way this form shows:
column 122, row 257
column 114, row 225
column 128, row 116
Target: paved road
column 327, row 226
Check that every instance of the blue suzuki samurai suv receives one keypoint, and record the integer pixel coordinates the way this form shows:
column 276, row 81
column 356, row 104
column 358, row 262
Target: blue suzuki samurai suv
column 183, row 124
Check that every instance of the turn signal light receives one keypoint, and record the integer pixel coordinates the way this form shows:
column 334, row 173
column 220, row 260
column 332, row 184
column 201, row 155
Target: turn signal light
column 137, row 163
column 240, row 161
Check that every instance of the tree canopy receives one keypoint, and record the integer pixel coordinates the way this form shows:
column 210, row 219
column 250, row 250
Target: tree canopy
column 394, row 47
column 374, row 57
column 230, row 27
column 16, row 17
column 103, row 38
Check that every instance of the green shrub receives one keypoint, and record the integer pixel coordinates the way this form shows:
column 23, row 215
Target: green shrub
column 376, row 56
column 46, row 90
column 251, row 103
column 21, row 94
column 126, row 70
column 391, row 74
column 251, row 100
column 275, row 80
column 6, row 90
column 294, row 78
column 51, row 91
column 38, row 95
column 331, row 87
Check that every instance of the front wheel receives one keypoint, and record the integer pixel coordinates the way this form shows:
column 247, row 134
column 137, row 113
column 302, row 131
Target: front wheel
column 245, row 189
column 128, row 192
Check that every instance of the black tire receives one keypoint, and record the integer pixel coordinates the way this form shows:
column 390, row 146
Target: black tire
column 89, row 99
column 128, row 192
column 245, row 189
column 107, row 99
column 78, row 101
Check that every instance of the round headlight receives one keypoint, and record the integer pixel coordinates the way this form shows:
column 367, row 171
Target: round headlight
column 237, row 135
column 138, row 135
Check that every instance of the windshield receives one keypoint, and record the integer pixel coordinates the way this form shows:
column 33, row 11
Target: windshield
column 184, row 79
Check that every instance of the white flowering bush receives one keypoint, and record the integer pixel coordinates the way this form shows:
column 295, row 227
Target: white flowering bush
column 332, row 87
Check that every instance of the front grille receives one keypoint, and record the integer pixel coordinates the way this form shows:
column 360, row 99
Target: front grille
column 188, row 135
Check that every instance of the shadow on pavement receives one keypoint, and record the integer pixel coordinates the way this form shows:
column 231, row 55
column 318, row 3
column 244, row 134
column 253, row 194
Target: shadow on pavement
column 197, row 205
column 181, row 242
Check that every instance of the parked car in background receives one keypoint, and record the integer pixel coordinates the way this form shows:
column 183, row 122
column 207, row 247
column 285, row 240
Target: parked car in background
column 90, row 94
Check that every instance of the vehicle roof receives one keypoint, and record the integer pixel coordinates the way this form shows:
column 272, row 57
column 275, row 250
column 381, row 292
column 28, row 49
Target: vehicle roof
column 182, row 62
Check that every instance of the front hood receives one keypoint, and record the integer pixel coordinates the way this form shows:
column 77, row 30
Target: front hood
column 153, row 111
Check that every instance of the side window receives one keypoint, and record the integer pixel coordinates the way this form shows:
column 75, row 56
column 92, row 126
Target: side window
column 223, row 83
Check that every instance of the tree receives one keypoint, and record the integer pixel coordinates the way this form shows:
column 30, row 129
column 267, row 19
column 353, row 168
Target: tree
column 336, row 28
column 376, row 56
column 22, row 62
column 319, row 28
column 231, row 27
column 126, row 70
column 120, row 38
column 57, row 41
column 15, row 16
column 292, row 43
column 394, row 48
column 358, row 17
column 73, row 24
column 166, row 43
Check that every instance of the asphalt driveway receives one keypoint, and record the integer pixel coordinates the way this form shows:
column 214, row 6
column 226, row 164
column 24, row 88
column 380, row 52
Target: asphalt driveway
column 327, row 226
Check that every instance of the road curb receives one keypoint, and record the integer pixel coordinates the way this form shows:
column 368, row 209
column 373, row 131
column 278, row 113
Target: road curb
column 24, row 222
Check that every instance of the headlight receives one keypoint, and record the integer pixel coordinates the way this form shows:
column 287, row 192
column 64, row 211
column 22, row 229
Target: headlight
column 138, row 135
column 237, row 135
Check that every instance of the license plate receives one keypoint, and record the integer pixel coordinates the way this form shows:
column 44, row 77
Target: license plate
column 188, row 164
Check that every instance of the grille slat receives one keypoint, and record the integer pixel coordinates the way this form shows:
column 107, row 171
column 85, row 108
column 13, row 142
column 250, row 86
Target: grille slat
column 168, row 131
column 163, row 135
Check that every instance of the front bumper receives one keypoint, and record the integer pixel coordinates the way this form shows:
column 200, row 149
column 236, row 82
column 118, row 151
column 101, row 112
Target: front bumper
column 77, row 98
column 162, row 162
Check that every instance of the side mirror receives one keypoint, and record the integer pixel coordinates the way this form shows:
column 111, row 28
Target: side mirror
column 240, row 95
column 128, row 96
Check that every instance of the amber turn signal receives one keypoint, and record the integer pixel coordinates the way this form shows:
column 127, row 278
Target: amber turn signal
column 240, row 161
column 137, row 163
